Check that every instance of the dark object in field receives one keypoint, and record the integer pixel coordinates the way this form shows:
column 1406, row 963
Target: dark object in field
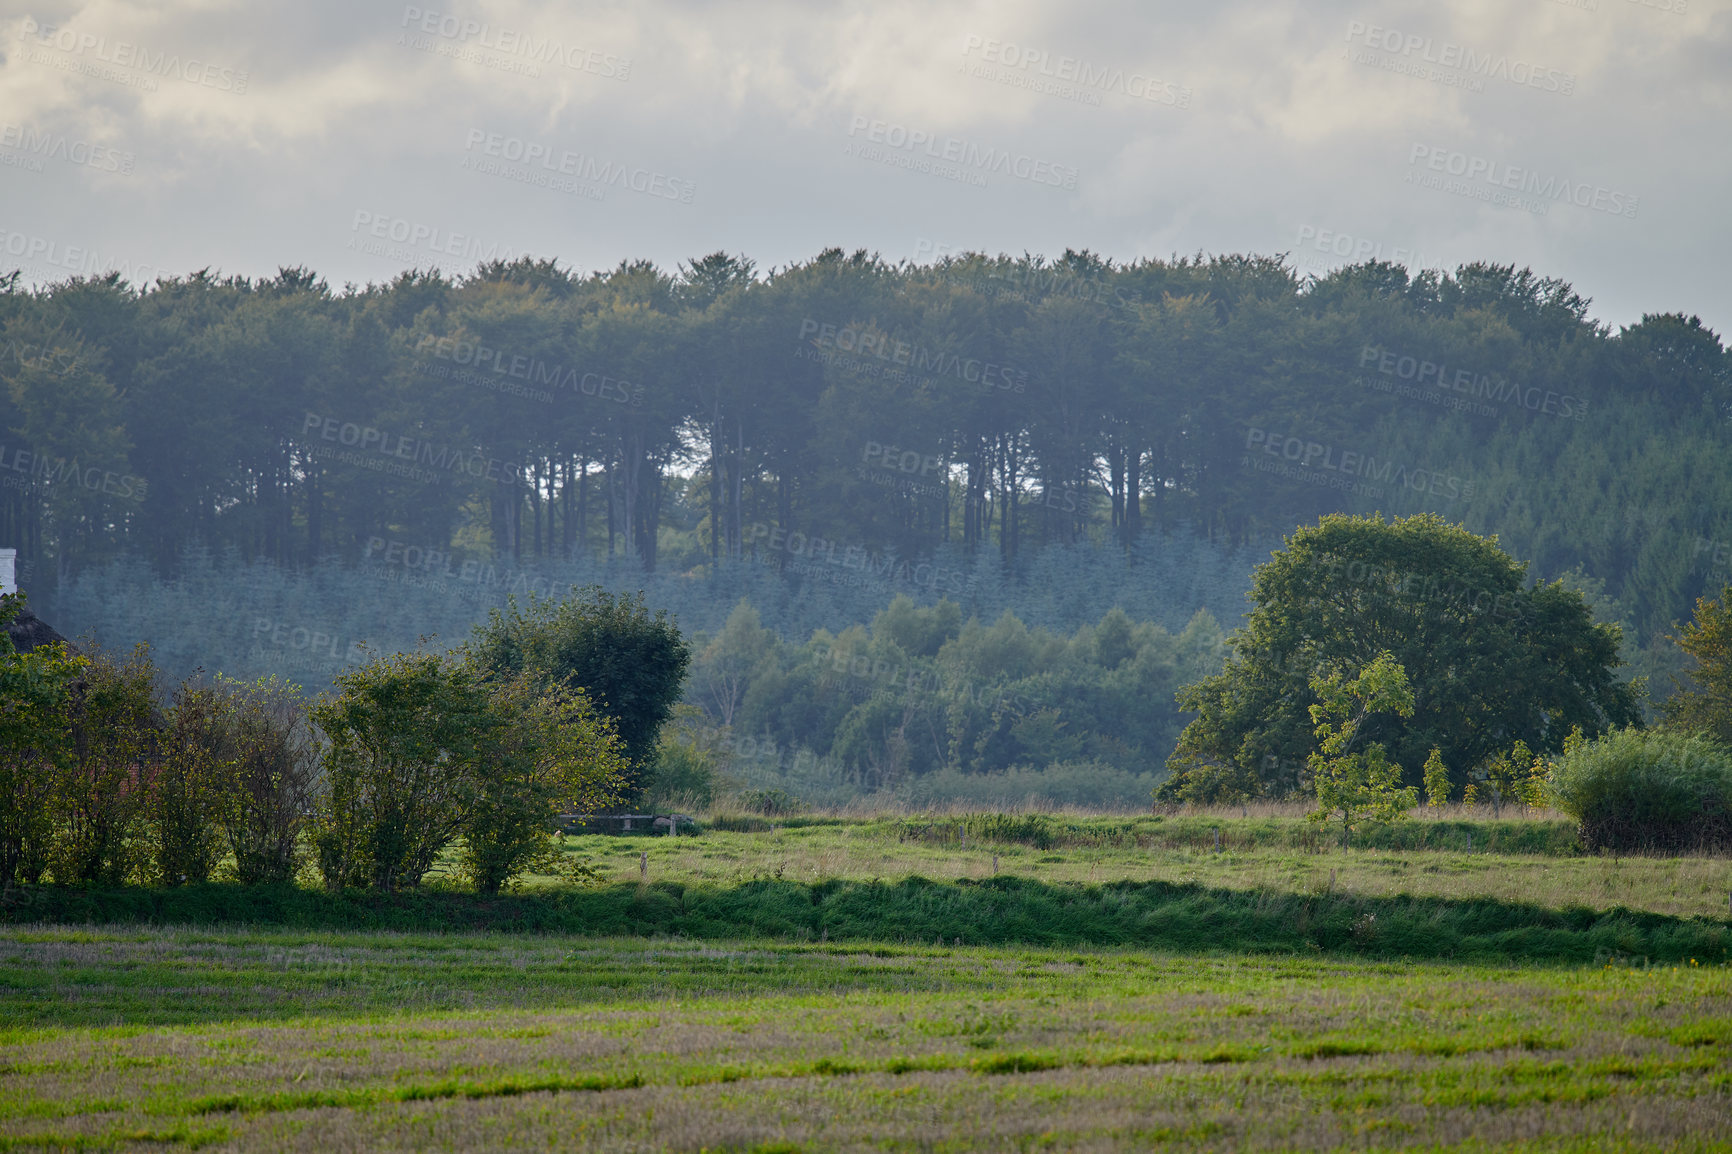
column 627, row 823
column 29, row 632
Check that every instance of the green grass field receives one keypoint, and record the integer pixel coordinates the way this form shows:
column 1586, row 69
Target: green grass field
column 870, row 984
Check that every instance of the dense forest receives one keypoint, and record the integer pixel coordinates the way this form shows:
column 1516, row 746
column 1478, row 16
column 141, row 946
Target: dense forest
column 262, row 475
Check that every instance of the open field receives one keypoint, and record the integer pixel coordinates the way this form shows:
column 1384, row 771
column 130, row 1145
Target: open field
column 1514, row 860
column 1182, row 998
column 333, row 1042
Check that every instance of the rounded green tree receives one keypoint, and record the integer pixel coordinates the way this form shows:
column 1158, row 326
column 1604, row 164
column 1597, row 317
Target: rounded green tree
column 1490, row 659
column 630, row 664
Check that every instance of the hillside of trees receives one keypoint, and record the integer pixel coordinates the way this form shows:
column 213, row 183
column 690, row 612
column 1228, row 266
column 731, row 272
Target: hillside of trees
column 920, row 699
column 260, row 475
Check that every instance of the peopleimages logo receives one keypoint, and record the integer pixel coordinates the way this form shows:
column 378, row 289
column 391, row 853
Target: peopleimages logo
column 1497, row 176
column 398, row 455
column 1088, row 79
column 47, row 258
column 911, row 680
column 399, row 238
column 854, row 565
column 578, row 166
column 1355, row 472
column 1450, row 55
column 322, row 641
column 1357, row 249
column 918, row 358
column 513, row 42
column 123, row 54
column 419, row 566
column 52, row 146
column 22, row 468
column 43, row 357
column 982, row 160
column 1433, row 374
column 529, row 369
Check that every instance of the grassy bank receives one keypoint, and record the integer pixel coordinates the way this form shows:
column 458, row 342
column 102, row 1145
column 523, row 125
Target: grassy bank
column 1000, row 910
column 1457, row 833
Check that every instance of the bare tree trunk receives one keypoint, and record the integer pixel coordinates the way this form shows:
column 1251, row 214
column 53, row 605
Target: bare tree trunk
column 737, row 530
column 631, row 466
column 1133, row 518
column 565, row 508
column 715, row 480
column 535, row 507
column 583, row 504
column 610, row 501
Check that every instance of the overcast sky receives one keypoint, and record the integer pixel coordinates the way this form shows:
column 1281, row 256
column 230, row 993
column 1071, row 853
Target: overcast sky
column 1589, row 140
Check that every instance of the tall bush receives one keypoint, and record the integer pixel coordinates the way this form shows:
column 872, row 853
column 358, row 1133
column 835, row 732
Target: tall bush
column 1647, row 790
column 190, row 786
column 35, row 691
column 401, row 772
column 543, row 756
column 687, row 767
column 102, row 788
column 269, row 792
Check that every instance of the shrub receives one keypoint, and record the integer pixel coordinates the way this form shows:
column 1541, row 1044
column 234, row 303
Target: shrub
column 685, row 774
column 102, row 788
column 1365, row 784
column 769, row 802
column 271, row 779
column 1517, row 776
column 1635, row 789
column 541, row 756
column 426, row 748
column 1204, row 782
column 35, row 691
column 197, row 751
column 401, row 772
column 1436, row 779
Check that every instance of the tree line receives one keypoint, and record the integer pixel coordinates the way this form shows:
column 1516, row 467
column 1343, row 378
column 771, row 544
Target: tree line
column 869, row 411
column 903, row 705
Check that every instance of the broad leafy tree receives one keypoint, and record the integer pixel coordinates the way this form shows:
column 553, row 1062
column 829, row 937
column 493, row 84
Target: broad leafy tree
column 1703, row 703
column 103, row 790
column 631, row 664
column 1491, row 660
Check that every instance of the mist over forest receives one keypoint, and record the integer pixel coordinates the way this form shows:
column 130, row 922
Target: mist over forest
column 926, row 525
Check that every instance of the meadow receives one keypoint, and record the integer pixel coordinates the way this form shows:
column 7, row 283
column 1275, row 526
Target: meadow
column 873, row 983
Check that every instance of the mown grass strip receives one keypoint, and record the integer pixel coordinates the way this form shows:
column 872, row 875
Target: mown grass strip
column 191, row 1137
column 428, row 1092
column 1335, row 1048
column 43, row 1108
